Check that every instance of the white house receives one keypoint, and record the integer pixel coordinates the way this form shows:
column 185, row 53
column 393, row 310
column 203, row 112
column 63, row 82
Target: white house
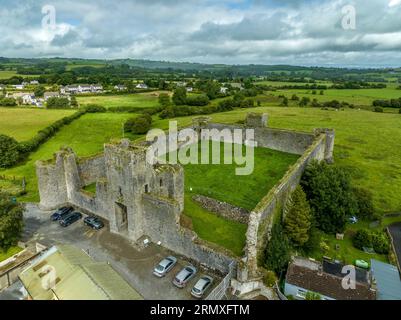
column 190, row 89
column 34, row 82
column 223, row 90
column 19, row 86
column 48, row 95
column 120, row 87
column 81, row 88
column 181, row 84
column 305, row 276
column 141, row 86
column 26, row 98
column 96, row 88
column 70, row 89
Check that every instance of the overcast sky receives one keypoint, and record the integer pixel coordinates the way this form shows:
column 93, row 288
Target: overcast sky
column 308, row 32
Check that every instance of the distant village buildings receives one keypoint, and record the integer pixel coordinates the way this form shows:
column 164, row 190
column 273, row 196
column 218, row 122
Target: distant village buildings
column 120, row 87
column 141, row 86
column 81, row 88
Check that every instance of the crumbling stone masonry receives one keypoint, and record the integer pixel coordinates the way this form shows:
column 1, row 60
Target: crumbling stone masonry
column 141, row 199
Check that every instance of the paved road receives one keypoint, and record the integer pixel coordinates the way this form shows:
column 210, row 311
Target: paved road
column 133, row 264
column 395, row 232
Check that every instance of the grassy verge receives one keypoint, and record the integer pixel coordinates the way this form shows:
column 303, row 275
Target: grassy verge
column 4, row 255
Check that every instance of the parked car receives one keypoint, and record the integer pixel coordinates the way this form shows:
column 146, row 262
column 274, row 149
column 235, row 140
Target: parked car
column 201, row 286
column 182, row 277
column 94, row 222
column 60, row 213
column 70, row 218
column 164, row 266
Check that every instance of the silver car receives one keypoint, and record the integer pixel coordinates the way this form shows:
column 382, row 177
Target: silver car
column 201, row 286
column 182, row 277
column 164, row 266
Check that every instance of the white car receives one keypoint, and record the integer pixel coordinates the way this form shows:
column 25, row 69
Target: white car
column 201, row 286
column 164, row 266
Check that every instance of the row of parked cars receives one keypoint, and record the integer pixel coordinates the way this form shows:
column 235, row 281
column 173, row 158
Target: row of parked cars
column 66, row 216
column 184, row 276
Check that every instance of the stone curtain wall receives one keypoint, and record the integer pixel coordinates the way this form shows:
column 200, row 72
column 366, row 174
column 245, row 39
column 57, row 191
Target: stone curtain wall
column 280, row 140
column 223, row 209
column 162, row 224
column 92, row 169
column 262, row 217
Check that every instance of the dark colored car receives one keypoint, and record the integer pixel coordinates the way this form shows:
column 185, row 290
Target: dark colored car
column 70, row 218
column 61, row 213
column 94, row 222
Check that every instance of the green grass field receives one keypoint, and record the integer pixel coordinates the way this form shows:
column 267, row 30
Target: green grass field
column 86, row 136
column 4, row 255
column 362, row 97
column 23, row 123
column 219, row 181
column 6, row 74
column 212, row 228
column 366, row 141
column 138, row 100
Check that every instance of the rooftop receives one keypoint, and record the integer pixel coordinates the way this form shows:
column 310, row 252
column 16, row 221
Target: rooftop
column 68, row 273
column 326, row 279
column 387, row 279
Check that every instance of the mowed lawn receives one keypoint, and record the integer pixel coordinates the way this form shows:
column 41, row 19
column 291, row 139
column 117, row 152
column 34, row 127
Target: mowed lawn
column 23, row 123
column 86, row 136
column 137, row 100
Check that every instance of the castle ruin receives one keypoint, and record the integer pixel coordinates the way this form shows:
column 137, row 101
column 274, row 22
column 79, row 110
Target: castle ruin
column 141, row 199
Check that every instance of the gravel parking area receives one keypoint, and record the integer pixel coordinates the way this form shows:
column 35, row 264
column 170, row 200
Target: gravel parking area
column 135, row 265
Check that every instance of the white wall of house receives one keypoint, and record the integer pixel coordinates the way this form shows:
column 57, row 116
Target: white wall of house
column 299, row 293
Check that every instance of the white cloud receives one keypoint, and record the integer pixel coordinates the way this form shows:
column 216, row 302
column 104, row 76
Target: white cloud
column 241, row 31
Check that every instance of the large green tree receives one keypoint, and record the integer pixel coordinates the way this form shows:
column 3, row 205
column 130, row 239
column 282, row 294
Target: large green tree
column 9, row 153
column 164, row 100
column 298, row 219
column 11, row 221
column 180, row 96
column 328, row 189
column 278, row 250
